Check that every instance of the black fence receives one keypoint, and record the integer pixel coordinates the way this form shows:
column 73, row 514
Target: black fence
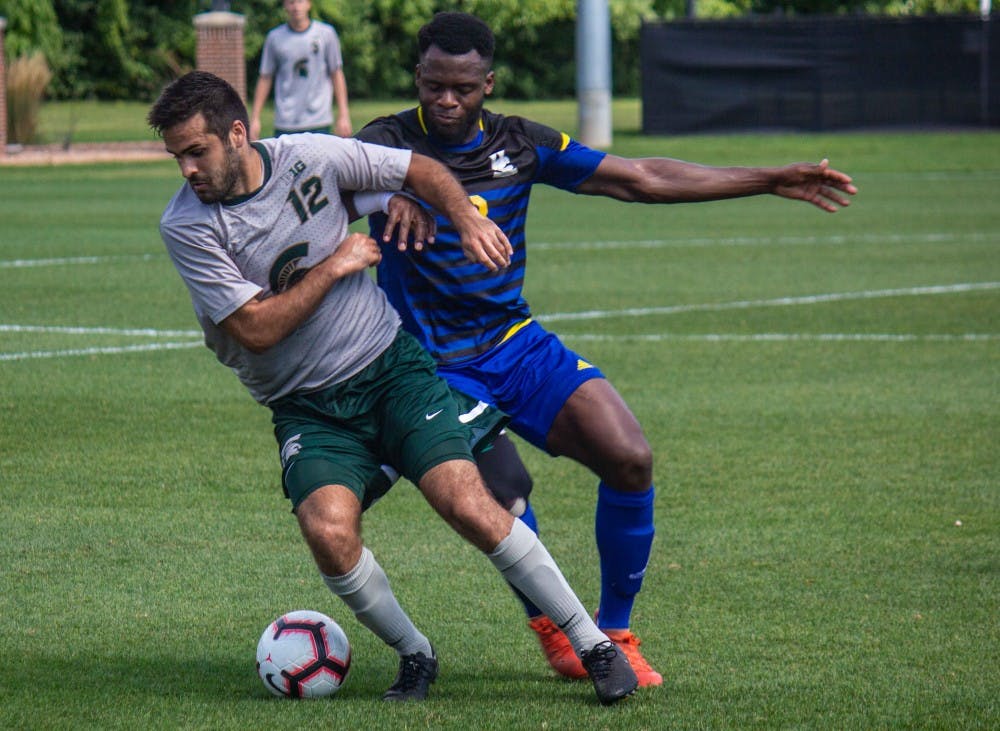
column 816, row 74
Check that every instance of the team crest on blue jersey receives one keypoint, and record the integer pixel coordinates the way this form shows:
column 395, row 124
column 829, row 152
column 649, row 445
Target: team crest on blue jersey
column 501, row 164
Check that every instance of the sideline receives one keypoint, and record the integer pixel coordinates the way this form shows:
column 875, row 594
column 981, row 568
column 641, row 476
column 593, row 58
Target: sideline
column 82, row 153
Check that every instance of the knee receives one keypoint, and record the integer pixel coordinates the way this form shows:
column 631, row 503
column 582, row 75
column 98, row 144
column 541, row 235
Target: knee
column 334, row 544
column 510, row 486
column 505, row 475
column 632, row 467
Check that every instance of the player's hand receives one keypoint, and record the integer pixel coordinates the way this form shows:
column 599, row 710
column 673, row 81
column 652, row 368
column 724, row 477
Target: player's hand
column 356, row 253
column 484, row 242
column 342, row 127
column 406, row 218
column 820, row 185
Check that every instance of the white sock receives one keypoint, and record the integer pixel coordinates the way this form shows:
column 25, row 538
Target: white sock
column 526, row 563
column 365, row 590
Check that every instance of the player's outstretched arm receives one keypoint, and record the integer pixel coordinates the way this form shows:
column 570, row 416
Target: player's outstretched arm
column 665, row 180
column 482, row 241
column 817, row 184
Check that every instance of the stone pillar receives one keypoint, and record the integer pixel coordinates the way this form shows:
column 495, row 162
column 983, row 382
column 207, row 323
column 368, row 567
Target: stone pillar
column 220, row 47
column 3, row 92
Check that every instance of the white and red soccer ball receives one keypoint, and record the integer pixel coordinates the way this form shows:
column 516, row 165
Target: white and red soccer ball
column 303, row 654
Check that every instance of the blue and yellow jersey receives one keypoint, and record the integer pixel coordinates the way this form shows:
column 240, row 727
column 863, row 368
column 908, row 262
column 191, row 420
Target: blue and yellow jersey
column 457, row 308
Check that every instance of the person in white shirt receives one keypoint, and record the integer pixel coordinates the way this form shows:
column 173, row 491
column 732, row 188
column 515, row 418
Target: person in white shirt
column 302, row 61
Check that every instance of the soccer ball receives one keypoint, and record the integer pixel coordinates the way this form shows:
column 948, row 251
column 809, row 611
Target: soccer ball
column 303, row 654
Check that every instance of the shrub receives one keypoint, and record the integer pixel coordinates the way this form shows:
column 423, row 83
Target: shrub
column 27, row 79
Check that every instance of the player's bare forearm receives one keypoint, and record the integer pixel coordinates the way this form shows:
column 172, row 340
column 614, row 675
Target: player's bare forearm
column 260, row 324
column 261, row 91
column 343, row 125
column 664, row 180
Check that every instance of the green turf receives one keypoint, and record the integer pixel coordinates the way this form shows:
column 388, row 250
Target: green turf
column 93, row 121
column 821, row 393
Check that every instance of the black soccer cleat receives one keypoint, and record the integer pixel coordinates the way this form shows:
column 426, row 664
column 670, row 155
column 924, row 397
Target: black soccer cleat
column 608, row 667
column 413, row 681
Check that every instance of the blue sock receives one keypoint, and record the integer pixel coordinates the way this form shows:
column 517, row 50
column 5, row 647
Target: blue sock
column 624, row 529
column 528, row 517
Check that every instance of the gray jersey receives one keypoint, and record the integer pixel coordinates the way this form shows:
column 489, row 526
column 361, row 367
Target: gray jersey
column 262, row 244
column 301, row 64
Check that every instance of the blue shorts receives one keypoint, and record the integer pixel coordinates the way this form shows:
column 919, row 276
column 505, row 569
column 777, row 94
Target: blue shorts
column 529, row 377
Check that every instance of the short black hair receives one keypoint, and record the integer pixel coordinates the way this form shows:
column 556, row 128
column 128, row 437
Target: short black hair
column 457, row 34
column 198, row 91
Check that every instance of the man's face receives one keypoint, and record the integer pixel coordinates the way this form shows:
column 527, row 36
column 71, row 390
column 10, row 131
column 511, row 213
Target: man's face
column 210, row 165
column 298, row 13
column 451, row 90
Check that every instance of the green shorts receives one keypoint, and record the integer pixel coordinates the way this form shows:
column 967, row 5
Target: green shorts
column 396, row 415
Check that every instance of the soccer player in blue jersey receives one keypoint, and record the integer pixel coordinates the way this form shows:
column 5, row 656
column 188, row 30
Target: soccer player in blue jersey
column 475, row 322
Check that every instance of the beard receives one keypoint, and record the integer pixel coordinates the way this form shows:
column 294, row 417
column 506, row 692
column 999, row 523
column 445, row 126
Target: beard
column 219, row 187
column 457, row 132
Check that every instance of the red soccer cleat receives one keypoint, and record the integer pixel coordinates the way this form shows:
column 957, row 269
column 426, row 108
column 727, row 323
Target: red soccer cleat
column 558, row 651
column 629, row 644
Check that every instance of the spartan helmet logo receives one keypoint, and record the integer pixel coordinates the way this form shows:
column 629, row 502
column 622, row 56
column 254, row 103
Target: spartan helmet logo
column 301, row 67
column 286, row 270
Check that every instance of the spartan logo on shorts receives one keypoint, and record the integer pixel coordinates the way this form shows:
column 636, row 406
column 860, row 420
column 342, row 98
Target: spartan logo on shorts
column 286, row 272
column 290, row 448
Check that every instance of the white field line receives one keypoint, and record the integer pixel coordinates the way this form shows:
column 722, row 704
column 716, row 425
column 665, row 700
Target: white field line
column 704, row 241
column 784, row 337
column 68, row 330
column 73, row 260
column 565, row 316
column 832, row 240
column 779, row 302
column 99, row 351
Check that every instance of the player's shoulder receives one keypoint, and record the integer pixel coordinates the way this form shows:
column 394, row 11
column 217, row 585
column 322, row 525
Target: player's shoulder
column 186, row 211
column 516, row 126
column 321, row 28
column 391, row 128
column 278, row 32
column 286, row 151
column 184, row 204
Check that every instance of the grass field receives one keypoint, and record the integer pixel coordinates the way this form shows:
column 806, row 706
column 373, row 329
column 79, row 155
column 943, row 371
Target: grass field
column 821, row 392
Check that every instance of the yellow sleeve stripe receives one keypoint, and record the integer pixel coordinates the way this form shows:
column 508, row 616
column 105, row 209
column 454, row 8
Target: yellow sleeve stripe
column 565, row 142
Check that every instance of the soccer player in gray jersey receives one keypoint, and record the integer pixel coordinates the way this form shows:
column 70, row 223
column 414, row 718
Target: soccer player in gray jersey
column 259, row 236
column 301, row 59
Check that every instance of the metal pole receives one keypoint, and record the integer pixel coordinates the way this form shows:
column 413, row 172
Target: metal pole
column 593, row 72
column 985, row 7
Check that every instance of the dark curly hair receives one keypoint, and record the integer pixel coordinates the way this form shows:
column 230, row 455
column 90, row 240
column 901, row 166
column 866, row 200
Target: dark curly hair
column 198, row 91
column 457, row 34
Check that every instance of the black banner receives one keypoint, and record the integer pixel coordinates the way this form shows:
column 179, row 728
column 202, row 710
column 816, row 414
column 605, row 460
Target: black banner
column 816, row 74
